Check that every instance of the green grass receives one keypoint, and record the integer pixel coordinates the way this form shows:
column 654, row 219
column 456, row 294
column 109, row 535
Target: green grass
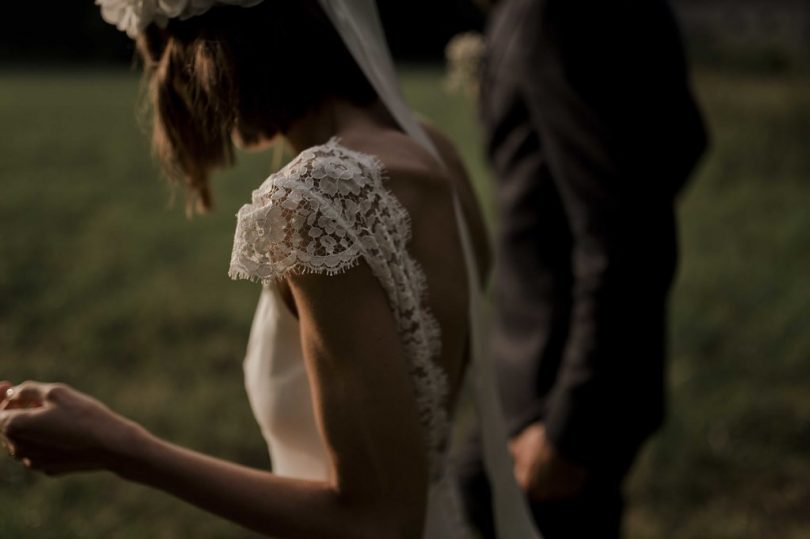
column 104, row 286
column 733, row 461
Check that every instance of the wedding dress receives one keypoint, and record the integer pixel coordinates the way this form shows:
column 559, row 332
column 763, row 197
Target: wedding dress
column 275, row 374
column 324, row 213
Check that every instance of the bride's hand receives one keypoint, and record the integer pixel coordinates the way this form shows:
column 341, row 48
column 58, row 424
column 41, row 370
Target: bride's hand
column 12, row 400
column 55, row 429
column 5, row 385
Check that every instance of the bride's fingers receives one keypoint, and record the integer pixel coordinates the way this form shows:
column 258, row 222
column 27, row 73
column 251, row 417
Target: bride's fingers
column 20, row 450
column 20, row 404
column 8, row 446
column 43, row 449
column 51, row 464
column 28, row 392
column 61, row 468
column 14, row 430
column 15, row 424
column 25, row 395
column 5, row 385
column 36, row 458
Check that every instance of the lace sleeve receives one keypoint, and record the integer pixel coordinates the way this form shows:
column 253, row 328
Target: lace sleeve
column 320, row 214
column 307, row 219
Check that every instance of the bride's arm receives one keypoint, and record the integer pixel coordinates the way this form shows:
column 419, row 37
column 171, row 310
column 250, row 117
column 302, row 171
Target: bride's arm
column 365, row 408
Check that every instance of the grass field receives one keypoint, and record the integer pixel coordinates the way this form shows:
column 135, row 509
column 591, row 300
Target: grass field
column 106, row 287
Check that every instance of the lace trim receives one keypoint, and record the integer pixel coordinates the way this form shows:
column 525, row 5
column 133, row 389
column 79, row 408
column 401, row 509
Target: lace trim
column 320, row 214
column 296, row 266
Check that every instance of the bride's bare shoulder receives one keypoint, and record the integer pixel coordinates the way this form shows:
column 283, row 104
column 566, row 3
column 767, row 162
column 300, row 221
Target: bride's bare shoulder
column 462, row 185
column 397, row 151
column 422, row 181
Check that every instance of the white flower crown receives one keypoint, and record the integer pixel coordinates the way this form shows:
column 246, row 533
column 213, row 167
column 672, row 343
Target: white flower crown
column 133, row 16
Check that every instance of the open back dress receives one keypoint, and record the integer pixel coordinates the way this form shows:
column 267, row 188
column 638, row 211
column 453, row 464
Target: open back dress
column 323, row 213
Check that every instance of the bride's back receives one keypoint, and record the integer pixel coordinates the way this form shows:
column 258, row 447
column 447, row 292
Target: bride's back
column 426, row 187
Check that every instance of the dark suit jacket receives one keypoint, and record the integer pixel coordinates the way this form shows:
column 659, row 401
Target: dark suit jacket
column 592, row 130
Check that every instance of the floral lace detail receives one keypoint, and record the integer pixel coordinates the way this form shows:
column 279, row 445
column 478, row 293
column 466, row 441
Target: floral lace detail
column 320, row 214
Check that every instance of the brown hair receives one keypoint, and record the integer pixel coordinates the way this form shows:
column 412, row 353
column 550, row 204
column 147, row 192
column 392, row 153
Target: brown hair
column 256, row 70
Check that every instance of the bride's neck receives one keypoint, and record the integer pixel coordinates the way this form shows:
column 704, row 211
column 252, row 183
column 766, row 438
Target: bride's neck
column 336, row 117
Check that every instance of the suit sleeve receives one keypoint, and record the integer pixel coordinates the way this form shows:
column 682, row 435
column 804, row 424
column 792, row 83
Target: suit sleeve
column 607, row 91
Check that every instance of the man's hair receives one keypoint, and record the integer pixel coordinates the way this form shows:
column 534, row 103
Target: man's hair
column 257, row 70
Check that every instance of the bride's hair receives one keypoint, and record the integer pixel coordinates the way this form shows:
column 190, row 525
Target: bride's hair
column 254, row 70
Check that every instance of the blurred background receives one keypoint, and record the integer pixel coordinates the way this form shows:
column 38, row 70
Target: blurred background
column 105, row 284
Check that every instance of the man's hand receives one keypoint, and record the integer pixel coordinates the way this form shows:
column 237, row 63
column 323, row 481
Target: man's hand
column 541, row 472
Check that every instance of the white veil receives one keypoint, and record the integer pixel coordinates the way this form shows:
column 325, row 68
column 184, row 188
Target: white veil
column 358, row 23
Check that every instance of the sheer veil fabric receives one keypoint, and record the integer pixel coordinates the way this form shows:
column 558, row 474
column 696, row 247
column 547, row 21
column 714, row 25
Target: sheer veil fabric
column 358, row 23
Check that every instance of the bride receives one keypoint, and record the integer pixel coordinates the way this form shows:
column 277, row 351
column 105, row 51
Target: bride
column 361, row 336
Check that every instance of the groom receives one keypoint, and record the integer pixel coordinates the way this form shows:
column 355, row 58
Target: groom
column 592, row 131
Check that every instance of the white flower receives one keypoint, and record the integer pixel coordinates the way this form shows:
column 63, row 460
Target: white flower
column 174, row 8
column 130, row 16
column 464, row 55
column 133, row 16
